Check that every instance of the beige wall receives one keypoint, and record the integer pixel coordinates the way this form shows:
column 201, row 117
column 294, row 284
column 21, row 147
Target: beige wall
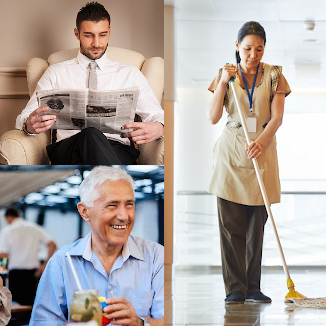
column 37, row 28
column 13, row 96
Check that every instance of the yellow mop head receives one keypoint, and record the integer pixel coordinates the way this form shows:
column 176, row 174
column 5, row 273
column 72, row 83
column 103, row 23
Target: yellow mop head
column 292, row 293
column 294, row 298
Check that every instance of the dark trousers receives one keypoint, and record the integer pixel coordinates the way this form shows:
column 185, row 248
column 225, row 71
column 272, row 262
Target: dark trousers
column 91, row 147
column 241, row 236
column 23, row 285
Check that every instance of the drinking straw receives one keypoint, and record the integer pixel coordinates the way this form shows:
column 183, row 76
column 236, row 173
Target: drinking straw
column 74, row 271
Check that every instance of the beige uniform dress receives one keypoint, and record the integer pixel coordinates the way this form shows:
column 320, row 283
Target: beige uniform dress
column 241, row 211
column 234, row 177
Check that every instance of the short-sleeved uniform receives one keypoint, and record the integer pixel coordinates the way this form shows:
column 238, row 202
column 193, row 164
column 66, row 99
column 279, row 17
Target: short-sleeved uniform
column 234, row 177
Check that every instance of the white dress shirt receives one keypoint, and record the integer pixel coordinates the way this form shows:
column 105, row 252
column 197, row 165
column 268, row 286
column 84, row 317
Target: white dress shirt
column 73, row 74
column 21, row 241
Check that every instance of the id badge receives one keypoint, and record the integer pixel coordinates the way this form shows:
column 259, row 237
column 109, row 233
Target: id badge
column 252, row 123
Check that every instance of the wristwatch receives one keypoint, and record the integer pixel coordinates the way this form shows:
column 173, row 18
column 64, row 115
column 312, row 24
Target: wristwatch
column 146, row 323
column 25, row 131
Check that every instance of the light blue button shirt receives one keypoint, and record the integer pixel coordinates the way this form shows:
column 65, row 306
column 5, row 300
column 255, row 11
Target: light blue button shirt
column 137, row 275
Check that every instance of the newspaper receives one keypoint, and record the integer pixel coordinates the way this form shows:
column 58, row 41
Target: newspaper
column 77, row 109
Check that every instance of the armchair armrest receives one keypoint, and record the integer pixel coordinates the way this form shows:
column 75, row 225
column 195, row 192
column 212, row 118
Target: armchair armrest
column 153, row 70
column 152, row 153
column 18, row 149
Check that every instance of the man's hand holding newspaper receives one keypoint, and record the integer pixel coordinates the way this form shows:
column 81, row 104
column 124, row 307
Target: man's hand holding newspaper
column 143, row 132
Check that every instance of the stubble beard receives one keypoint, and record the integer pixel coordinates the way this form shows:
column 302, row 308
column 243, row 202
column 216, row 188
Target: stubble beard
column 87, row 51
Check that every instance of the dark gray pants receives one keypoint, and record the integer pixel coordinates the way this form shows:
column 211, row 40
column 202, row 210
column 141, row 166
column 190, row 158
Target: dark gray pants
column 241, row 234
column 90, row 146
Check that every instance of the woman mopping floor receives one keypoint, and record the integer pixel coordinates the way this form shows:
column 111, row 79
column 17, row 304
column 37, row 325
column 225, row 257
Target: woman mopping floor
column 261, row 90
column 241, row 216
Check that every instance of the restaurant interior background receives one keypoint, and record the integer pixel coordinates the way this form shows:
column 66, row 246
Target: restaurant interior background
column 48, row 196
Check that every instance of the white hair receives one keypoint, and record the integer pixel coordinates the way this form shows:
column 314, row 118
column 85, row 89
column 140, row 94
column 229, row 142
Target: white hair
column 100, row 174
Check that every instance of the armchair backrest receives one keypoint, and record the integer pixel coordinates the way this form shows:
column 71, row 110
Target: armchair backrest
column 152, row 68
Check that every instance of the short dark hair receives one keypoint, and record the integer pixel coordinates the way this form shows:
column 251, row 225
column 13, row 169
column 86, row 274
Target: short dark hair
column 92, row 11
column 12, row 211
column 250, row 28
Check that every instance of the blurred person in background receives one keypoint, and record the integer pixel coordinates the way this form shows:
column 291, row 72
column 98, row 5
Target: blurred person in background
column 20, row 242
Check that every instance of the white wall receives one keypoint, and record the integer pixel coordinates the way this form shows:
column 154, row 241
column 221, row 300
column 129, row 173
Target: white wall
column 195, row 139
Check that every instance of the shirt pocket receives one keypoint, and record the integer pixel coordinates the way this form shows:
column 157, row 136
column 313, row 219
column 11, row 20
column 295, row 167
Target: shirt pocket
column 240, row 157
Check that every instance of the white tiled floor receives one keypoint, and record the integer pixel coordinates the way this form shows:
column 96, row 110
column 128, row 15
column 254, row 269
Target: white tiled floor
column 196, row 297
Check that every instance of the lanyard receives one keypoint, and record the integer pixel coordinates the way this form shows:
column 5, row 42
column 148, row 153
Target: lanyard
column 250, row 96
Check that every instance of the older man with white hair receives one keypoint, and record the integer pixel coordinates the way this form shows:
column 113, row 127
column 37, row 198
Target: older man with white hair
column 123, row 268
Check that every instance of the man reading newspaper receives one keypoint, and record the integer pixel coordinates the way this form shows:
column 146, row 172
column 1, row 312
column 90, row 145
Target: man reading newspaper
column 92, row 69
column 77, row 109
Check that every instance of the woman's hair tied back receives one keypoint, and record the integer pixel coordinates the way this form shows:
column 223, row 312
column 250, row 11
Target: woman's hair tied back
column 250, row 28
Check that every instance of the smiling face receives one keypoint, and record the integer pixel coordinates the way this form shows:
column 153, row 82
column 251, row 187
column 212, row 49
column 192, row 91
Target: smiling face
column 93, row 38
column 251, row 50
column 113, row 213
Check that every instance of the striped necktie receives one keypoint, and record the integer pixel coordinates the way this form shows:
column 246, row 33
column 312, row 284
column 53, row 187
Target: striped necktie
column 92, row 80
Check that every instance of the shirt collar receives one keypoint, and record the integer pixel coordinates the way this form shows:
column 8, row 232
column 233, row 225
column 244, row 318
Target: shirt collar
column 78, row 248
column 134, row 250
column 84, row 61
column 83, row 248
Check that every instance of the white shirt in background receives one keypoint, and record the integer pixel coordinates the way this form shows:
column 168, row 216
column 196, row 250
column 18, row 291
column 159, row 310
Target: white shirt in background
column 111, row 75
column 21, row 240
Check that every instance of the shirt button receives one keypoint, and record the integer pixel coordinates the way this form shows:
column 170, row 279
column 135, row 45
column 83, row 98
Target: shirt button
column 111, row 292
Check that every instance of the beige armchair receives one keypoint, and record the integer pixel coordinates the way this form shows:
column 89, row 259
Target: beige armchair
column 18, row 149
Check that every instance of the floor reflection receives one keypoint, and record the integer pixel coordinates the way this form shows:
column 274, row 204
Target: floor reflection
column 197, row 298
column 245, row 314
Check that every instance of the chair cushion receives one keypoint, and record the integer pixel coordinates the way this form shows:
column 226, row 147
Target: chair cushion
column 18, row 149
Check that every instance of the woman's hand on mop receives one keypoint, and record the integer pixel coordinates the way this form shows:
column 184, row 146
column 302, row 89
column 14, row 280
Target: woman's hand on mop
column 254, row 150
column 228, row 72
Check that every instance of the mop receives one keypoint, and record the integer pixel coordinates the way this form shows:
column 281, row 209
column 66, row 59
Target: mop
column 292, row 297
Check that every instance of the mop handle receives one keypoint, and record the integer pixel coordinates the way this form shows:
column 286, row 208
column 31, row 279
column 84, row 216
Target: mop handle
column 260, row 180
